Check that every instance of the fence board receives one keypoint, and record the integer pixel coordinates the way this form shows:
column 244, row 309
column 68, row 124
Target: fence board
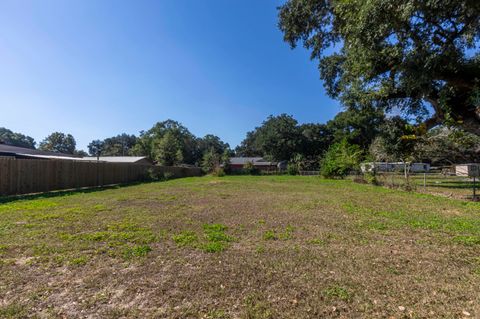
column 24, row 176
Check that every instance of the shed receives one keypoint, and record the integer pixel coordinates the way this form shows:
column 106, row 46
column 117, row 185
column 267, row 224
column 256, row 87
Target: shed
column 470, row 170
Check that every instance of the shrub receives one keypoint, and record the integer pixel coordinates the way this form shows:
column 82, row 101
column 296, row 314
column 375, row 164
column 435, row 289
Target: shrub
column 219, row 172
column 371, row 178
column 340, row 159
column 250, row 169
column 152, row 175
column 210, row 161
column 292, row 169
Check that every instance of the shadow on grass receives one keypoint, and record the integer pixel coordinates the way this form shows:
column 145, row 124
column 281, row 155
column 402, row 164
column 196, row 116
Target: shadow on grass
column 68, row 192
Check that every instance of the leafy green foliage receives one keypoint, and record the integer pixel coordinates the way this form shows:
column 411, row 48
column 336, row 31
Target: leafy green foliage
column 358, row 126
column 170, row 143
column 446, row 146
column 401, row 54
column 59, row 142
column 340, row 159
column 185, row 238
column 292, row 169
column 120, row 145
column 168, row 150
column 210, row 161
column 95, row 148
column 212, row 143
column 396, row 141
column 281, row 137
column 16, row 139
column 270, row 235
column 337, row 292
column 250, row 169
column 136, row 251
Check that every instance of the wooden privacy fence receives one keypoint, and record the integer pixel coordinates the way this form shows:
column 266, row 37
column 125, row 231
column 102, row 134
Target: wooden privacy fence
column 24, row 176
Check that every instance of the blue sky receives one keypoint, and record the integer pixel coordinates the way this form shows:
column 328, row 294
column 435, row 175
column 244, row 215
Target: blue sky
column 97, row 68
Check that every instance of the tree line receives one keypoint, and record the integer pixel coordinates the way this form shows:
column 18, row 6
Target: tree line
column 355, row 135
column 335, row 147
column 166, row 143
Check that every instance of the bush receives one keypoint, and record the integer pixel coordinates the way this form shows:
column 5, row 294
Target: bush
column 250, row 169
column 292, row 169
column 153, row 175
column 371, row 178
column 340, row 159
column 219, row 172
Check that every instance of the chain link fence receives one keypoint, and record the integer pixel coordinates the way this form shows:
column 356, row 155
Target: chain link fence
column 439, row 181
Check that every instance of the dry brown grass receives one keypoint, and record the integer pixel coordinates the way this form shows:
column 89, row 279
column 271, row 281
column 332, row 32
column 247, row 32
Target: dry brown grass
column 291, row 247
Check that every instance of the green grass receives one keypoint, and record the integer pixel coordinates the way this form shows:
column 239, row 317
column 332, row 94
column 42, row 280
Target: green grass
column 294, row 247
column 337, row 292
column 185, row 238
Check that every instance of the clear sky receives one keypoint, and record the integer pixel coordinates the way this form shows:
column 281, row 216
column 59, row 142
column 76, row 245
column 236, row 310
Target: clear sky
column 97, row 68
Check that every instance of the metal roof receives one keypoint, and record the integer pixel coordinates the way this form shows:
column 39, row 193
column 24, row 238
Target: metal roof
column 13, row 150
column 116, row 159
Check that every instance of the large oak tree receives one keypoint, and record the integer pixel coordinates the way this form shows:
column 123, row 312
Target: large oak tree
column 404, row 54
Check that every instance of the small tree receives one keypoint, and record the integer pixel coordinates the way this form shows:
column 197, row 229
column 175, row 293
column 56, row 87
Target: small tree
column 225, row 160
column 210, row 161
column 340, row 159
column 168, row 150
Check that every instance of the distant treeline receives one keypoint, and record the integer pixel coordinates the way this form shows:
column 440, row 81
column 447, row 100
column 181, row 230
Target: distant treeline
column 353, row 136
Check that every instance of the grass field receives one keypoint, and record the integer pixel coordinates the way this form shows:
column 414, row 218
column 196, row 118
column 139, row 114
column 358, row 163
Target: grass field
column 240, row 247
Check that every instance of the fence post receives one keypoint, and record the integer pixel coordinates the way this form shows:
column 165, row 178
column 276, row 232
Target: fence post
column 424, row 182
column 474, row 188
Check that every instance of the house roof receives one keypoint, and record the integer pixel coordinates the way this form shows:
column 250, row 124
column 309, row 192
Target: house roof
column 116, row 159
column 10, row 150
column 259, row 161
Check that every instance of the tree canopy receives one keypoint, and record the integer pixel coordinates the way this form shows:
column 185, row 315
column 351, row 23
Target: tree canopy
column 16, row 139
column 59, row 142
column 171, row 142
column 278, row 137
column 149, row 143
column 119, row 145
column 95, row 148
column 421, row 57
column 396, row 141
column 446, row 146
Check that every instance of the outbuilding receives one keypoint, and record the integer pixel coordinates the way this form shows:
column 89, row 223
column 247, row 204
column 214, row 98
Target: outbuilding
column 469, row 170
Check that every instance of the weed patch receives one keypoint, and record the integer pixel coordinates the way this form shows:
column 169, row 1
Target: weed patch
column 270, row 235
column 216, row 237
column 337, row 292
column 136, row 251
column 185, row 238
